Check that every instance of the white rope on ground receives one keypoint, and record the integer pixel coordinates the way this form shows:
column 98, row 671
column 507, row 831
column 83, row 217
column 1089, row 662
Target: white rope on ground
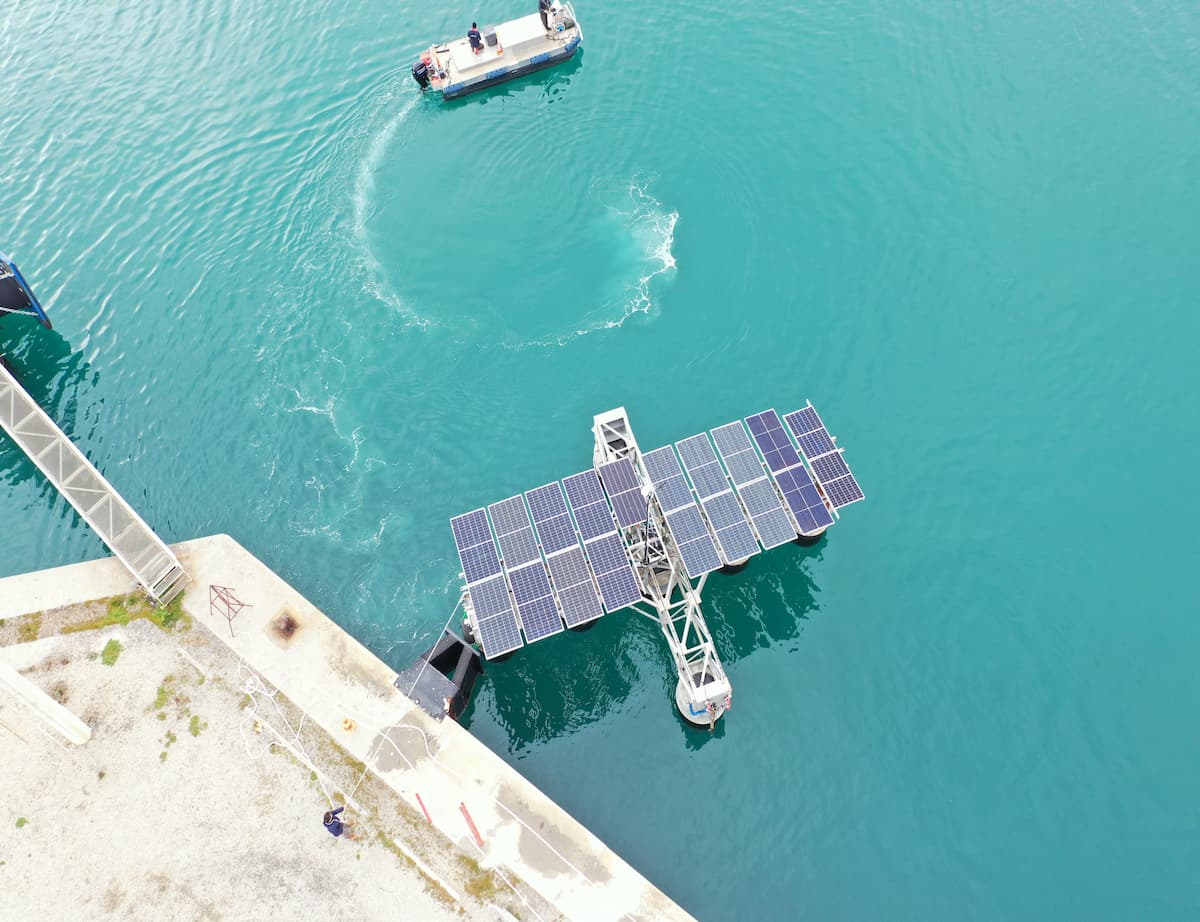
column 254, row 686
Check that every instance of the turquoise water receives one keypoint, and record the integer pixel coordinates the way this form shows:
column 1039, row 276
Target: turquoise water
column 296, row 303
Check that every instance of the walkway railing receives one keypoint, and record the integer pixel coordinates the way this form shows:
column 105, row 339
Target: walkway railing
column 74, row 476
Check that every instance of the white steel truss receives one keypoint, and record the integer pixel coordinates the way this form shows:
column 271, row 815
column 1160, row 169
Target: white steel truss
column 133, row 542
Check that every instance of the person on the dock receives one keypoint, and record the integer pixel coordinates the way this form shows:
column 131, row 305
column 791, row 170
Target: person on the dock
column 475, row 38
column 544, row 12
column 335, row 826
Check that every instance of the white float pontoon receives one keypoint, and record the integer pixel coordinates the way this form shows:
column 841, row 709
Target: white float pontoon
column 509, row 50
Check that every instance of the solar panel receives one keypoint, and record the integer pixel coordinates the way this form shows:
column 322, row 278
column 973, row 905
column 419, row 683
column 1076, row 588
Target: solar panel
column 666, row 475
column 586, row 499
column 766, row 513
column 805, row 502
column 734, row 536
column 579, row 604
column 514, row 534
column 576, row 591
column 498, row 629
column 810, row 432
column 535, row 603
column 476, row 549
column 621, row 483
column 694, row 542
column 708, row 477
column 551, row 519
column 688, row 530
column 817, row 446
column 772, row 441
column 614, row 573
column 738, row 453
column 802, row 497
column 735, row 540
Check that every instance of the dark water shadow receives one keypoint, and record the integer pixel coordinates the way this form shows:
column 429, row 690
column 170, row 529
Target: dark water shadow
column 42, row 361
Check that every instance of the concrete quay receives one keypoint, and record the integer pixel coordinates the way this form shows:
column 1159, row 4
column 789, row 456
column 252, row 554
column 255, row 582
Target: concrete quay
column 466, row 827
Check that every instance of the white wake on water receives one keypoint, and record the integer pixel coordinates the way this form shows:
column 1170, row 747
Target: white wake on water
column 374, row 278
column 652, row 229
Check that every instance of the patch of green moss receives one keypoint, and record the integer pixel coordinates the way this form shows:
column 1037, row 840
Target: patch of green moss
column 21, row 821
column 162, row 756
column 126, row 608
column 479, row 882
column 30, row 627
column 196, row 725
column 111, row 651
column 169, row 739
column 431, row 886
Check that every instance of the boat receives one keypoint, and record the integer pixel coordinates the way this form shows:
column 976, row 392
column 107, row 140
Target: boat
column 16, row 297
column 507, row 51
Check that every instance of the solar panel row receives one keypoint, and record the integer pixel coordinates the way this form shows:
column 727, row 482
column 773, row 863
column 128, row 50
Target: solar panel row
column 802, row 497
column 766, row 513
column 824, row 457
column 734, row 538
column 624, row 491
column 690, row 534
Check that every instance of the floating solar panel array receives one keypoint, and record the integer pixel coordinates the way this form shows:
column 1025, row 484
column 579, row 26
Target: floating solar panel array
column 683, row 516
column 801, row 494
column 824, row 457
column 735, row 540
column 562, row 560
column 767, row 516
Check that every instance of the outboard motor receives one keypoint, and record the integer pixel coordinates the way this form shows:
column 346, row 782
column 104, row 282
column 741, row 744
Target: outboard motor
column 420, row 72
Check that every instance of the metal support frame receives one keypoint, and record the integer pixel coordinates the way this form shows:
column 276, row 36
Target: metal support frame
column 674, row 601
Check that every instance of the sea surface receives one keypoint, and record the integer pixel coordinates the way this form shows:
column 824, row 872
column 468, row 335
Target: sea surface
column 296, row 302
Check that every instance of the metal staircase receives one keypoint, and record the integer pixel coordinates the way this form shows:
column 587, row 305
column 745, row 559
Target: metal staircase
column 130, row 539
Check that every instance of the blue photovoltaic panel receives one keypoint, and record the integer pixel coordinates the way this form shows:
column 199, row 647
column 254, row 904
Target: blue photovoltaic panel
column 498, row 629
column 514, row 534
column 810, row 433
column 576, row 591
column 708, row 477
column 621, row 484
column 498, row 636
column 803, row 499
column 540, row 619
column 818, row 448
column 529, row 583
column 738, row 453
column 550, row 517
column 476, row 549
column 579, row 604
column 734, row 536
column 614, row 573
column 694, row 542
column 586, row 499
column 770, row 521
column 772, row 441
column 843, row 492
column 535, row 604
column 666, row 475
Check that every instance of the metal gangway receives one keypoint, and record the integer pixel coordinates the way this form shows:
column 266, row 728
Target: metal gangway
column 133, row 542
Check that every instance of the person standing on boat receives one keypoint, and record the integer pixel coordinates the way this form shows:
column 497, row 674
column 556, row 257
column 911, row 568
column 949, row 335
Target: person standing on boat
column 544, row 12
column 475, row 38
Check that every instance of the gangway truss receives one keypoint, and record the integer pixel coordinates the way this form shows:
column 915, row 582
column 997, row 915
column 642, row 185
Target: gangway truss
column 644, row 531
column 133, row 542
